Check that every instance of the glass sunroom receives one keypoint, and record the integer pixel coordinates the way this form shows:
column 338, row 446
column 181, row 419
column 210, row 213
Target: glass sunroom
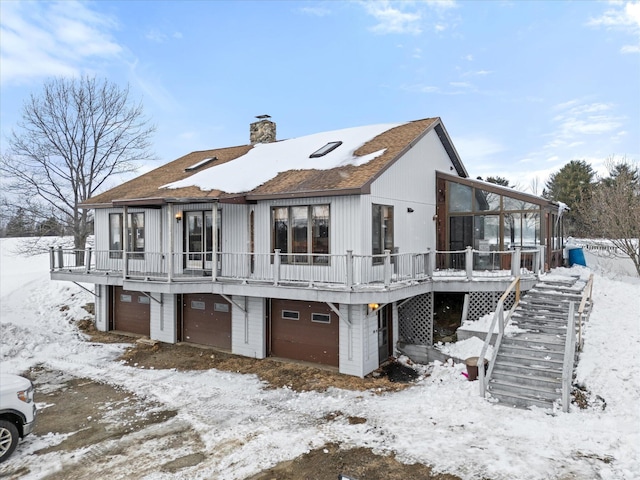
column 494, row 220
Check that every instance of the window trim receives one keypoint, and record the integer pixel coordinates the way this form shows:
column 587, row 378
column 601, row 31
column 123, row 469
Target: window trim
column 328, row 148
column 310, row 256
column 381, row 235
column 325, row 322
column 133, row 234
column 295, row 317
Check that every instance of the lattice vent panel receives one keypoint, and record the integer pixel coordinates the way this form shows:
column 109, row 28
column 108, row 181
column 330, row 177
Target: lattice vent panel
column 483, row 303
column 416, row 320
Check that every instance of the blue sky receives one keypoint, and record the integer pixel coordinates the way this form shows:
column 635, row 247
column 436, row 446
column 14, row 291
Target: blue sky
column 522, row 87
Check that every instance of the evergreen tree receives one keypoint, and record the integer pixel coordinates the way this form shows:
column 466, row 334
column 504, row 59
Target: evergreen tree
column 571, row 185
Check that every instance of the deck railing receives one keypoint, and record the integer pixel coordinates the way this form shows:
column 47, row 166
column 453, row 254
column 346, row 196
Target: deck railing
column 569, row 358
column 502, row 321
column 341, row 270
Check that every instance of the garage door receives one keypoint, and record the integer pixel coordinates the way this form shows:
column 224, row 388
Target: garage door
column 206, row 320
column 305, row 331
column 131, row 311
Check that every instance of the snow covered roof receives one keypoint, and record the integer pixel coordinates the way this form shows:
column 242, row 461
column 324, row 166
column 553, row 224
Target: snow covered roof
column 287, row 167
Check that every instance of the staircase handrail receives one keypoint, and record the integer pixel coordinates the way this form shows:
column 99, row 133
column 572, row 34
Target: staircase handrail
column 569, row 358
column 586, row 297
column 502, row 322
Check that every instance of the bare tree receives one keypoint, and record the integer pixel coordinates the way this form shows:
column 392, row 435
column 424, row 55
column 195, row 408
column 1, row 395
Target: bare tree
column 613, row 209
column 71, row 138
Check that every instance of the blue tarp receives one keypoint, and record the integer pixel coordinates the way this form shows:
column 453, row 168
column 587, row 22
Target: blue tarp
column 576, row 256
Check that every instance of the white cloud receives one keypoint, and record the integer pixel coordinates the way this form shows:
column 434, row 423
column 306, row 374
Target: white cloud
column 624, row 17
column 160, row 37
column 52, row 39
column 576, row 119
column 393, row 20
column 408, row 17
column 315, row 11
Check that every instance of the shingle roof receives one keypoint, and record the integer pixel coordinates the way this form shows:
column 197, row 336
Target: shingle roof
column 147, row 188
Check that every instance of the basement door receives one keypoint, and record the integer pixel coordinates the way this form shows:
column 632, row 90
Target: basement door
column 385, row 345
column 206, row 320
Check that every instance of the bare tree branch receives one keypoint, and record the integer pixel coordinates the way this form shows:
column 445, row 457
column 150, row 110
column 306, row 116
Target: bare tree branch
column 71, row 138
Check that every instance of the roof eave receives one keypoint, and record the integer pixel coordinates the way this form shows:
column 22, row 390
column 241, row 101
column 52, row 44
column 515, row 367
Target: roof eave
column 306, row 194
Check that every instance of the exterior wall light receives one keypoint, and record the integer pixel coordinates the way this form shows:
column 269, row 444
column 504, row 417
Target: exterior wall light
column 178, row 217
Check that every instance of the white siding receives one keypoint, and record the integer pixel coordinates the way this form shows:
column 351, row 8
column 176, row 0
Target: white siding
column 163, row 318
column 411, row 183
column 248, row 329
column 102, row 307
column 358, row 341
column 345, row 218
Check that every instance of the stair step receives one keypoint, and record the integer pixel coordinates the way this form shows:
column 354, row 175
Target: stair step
column 551, row 342
column 525, row 379
column 554, row 294
column 538, row 370
column 528, row 391
column 528, row 361
column 536, row 352
column 533, row 317
column 520, row 401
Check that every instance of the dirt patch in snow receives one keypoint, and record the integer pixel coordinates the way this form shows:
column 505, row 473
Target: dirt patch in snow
column 94, row 429
column 277, row 373
column 355, row 463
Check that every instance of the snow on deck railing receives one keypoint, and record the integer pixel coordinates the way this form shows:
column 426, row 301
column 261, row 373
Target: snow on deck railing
column 344, row 270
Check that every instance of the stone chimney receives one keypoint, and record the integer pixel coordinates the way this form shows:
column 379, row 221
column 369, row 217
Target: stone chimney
column 262, row 131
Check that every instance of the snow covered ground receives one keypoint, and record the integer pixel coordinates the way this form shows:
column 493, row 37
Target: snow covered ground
column 441, row 421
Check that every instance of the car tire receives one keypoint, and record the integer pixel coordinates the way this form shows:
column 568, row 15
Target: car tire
column 8, row 439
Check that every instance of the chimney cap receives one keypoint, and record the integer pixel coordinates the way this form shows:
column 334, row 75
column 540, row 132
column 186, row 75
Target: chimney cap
column 262, row 117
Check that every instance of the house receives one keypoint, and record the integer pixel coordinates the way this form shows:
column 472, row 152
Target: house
column 327, row 248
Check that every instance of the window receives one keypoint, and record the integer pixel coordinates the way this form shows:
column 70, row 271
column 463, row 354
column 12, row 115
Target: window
column 197, row 305
column 460, row 197
column 290, row 315
column 135, row 235
column 329, row 147
column 200, row 164
column 321, row 318
column 302, row 230
column 221, row 307
column 382, row 231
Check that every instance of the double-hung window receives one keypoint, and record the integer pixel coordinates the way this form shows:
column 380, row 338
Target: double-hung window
column 302, row 232
column 135, row 235
column 382, row 231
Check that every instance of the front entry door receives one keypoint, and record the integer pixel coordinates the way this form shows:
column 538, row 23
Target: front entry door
column 384, row 333
column 199, row 240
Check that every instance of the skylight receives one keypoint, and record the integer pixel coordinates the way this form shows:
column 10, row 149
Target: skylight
column 200, row 164
column 329, row 147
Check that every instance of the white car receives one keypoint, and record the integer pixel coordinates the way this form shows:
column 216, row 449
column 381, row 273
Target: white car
column 17, row 412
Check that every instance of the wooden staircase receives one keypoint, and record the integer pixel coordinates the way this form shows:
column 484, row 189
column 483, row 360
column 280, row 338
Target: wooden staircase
column 527, row 370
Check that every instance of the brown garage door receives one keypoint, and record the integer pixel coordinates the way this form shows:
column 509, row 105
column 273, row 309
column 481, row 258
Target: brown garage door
column 131, row 311
column 206, row 320
column 304, row 331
